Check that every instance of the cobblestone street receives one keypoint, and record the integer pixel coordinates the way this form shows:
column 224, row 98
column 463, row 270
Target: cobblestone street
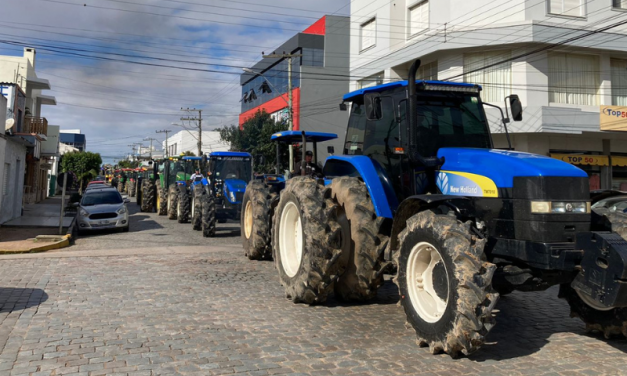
column 162, row 300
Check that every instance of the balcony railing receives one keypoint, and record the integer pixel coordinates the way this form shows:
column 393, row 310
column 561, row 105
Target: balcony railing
column 36, row 125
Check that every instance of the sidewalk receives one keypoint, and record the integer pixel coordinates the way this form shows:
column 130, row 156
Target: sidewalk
column 37, row 230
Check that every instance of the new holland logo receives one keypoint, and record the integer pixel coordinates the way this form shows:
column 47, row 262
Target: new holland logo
column 442, row 182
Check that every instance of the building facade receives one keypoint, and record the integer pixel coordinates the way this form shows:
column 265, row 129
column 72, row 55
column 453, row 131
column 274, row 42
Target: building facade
column 319, row 80
column 565, row 59
column 73, row 138
column 187, row 141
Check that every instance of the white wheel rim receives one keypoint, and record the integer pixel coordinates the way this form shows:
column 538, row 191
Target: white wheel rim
column 169, row 202
column 421, row 263
column 178, row 209
column 290, row 239
column 193, row 206
column 592, row 303
column 248, row 219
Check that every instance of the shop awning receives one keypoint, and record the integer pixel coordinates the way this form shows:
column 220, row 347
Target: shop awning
column 582, row 159
column 619, row 161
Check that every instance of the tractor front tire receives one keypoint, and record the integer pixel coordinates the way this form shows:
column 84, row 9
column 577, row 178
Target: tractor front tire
column 183, row 205
column 148, row 197
column 196, row 207
column 445, row 284
column 131, row 189
column 364, row 258
column 611, row 322
column 162, row 201
column 256, row 221
column 120, row 187
column 172, row 201
column 305, row 241
column 208, row 208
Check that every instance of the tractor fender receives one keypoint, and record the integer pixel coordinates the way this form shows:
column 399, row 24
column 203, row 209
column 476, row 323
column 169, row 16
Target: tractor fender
column 415, row 204
column 379, row 186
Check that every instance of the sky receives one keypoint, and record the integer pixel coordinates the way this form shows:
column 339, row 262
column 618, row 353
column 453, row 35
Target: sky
column 123, row 69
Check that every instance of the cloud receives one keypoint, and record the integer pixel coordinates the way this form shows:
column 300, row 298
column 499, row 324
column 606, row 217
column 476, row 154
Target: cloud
column 194, row 35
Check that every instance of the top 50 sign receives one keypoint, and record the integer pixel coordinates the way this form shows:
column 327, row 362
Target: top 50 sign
column 613, row 118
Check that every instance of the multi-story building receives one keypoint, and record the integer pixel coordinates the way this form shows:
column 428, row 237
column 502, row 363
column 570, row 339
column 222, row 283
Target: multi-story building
column 187, row 141
column 73, row 138
column 319, row 80
column 566, row 59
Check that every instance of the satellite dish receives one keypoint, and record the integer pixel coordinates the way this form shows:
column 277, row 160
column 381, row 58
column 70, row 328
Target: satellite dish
column 9, row 124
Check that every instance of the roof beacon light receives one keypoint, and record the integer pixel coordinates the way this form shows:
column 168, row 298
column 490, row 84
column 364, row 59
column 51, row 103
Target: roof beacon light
column 457, row 88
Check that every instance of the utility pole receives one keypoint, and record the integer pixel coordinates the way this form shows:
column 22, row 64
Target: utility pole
column 151, row 140
column 132, row 148
column 166, row 140
column 199, row 120
column 289, row 58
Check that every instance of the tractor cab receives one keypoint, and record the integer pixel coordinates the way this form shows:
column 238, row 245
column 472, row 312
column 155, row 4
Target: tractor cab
column 228, row 174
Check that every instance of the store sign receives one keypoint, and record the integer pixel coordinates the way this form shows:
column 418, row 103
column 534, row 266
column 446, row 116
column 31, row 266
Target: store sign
column 613, row 118
column 580, row 159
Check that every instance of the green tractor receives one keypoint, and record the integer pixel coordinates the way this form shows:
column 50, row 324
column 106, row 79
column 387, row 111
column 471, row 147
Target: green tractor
column 146, row 199
column 178, row 197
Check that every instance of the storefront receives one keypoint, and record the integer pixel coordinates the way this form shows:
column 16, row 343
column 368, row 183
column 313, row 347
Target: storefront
column 597, row 165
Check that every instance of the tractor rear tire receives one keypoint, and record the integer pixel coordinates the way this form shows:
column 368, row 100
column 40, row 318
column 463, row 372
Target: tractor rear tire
column 364, row 261
column 162, row 201
column 120, row 187
column 196, row 207
column 183, row 205
column 208, row 209
column 256, row 221
column 445, row 284
column 172, row 201
column 148, row 197
column 131, row 189
column 611, row 322
column 305, row 242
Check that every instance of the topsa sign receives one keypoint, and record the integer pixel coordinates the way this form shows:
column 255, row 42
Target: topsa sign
column 613, row 118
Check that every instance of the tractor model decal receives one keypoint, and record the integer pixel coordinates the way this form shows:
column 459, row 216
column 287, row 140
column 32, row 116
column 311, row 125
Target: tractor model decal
column 466, row 184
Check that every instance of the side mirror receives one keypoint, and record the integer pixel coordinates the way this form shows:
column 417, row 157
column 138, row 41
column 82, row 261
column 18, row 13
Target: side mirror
column 516, row 107
column 343, row 106
column 330, row 150
column 373, row 106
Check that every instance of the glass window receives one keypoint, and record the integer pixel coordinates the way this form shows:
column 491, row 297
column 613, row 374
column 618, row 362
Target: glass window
column 495, row 80
column 619, row 82
column 373, row 80
column 574, row 79
column 428, row 72
column 232, row 168
column 621, row 4
column 101, row 198
column 575, row 8
column 418, row 19
column 368, row 34
column 382, row 136
column 354, row 143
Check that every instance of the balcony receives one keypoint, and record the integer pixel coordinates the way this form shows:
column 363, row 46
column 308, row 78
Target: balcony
column 35, row 125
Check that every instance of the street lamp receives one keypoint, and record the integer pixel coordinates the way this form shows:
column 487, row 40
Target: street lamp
column 290, row 119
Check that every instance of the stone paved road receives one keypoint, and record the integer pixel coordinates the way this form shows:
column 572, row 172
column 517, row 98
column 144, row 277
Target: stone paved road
column 107, row 307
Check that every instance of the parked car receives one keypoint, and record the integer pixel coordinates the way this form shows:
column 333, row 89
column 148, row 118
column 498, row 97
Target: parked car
column 615, row 204
column 101, row 209
column 99, row 186
column 96, row 182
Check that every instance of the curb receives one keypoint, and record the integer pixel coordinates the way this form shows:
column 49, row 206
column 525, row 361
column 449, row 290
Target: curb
column 66, row 241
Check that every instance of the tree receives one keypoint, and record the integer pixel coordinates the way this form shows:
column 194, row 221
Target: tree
column 188, row 154
column 82, row 163
column 254, row 137
column 125, row 163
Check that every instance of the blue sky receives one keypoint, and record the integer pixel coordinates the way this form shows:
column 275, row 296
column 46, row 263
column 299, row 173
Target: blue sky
column 94, row 52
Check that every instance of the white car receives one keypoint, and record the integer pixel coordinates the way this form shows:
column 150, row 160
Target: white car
column 101, row 209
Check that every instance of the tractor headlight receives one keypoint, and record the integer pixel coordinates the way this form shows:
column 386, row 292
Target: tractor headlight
column 557, row 207
column 232, row 196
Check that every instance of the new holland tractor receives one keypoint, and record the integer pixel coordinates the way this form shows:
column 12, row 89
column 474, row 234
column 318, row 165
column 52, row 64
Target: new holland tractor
column 224, row 188
column 262, row 193
column 420, row 189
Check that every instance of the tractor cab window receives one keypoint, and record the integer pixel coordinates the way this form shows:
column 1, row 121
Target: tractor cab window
column 451, row 120
column 382, row 136
column 233, row 168
column 354, row 144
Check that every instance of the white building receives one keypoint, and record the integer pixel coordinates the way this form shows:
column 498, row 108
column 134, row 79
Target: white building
column 566, row 59
column 185, row 141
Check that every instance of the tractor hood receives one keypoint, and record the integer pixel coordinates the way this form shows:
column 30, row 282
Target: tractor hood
column 234, row 190
column 470, row 171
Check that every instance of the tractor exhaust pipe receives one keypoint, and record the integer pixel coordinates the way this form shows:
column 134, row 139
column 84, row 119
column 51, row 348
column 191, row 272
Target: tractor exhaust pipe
column 413, row 109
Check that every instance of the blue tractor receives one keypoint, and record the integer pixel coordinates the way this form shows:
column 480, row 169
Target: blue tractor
column 420, row 190
column 227, row 174
column 262, row 194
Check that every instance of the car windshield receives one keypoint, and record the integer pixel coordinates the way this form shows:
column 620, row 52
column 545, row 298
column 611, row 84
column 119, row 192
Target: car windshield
column 608, row 202
column 233, row 168
column 101, row 198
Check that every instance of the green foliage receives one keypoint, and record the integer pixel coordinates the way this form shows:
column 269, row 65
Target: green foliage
column 82, row 163
column 255, row 139
column 188, row 154
column 128, row 164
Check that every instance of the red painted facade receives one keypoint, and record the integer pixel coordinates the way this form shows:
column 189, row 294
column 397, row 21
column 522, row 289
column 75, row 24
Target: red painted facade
column 275, row 105
column 318, row 28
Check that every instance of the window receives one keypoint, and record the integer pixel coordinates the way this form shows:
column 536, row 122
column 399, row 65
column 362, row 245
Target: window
column 428, row 72
column 574, row 79
column 575, row 8
column 492, row 70
column 418, row 18
column 619, row 82
column 368, row 34
column 6, row 178
column 373, row 80
column 354, row 142
column 620, row 4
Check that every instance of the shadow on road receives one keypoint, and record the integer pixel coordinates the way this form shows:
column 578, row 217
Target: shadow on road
column 15, row 299
column 225, row 232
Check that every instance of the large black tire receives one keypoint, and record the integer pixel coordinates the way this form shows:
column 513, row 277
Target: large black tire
column 131, row 188
column 196, row 207
column 162, row 200
column 172, row 201
column 148, row 197
column 120, row 187
column 310, row 280
column 458, row 274
column 256, row 221
column 183, row 205
column 208, row 208
column 364, row 259
column 139, row 194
